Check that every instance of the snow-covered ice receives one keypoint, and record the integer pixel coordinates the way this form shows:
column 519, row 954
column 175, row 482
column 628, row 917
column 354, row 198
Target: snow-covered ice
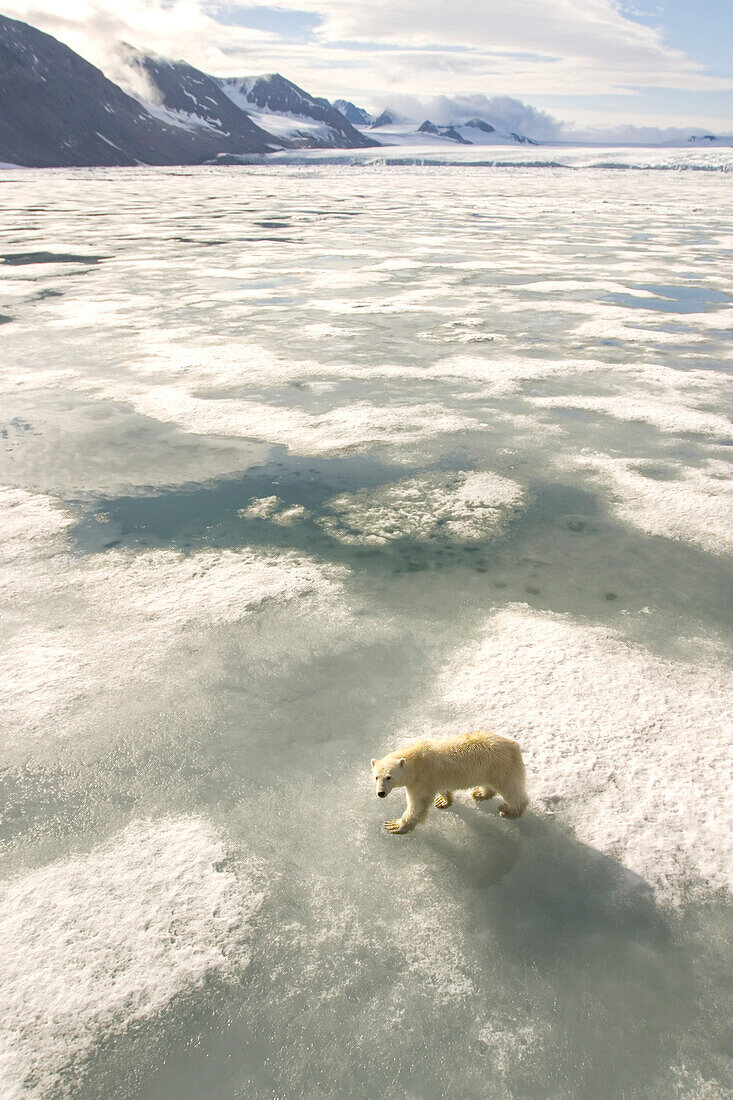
column 301, row 461
column 459, row 507
column 110, row 937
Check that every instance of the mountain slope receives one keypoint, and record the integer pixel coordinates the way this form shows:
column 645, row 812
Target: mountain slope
column 449, row 132
column 287, row 111
column 192, row 99
column 357, row 116
column 57, row 110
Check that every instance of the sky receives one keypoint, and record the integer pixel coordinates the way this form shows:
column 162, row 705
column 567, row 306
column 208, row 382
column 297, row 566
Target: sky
column 595, row 64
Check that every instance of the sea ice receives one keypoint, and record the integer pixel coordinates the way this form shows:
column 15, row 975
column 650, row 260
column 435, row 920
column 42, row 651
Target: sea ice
column 94, row 942
column 300, row 460
column 458, row 507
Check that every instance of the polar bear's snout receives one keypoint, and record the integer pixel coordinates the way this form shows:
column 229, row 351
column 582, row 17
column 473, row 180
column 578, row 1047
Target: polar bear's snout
column 381, row 794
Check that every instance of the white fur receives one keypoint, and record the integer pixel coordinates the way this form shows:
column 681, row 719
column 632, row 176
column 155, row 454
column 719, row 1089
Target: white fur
column 431, row 769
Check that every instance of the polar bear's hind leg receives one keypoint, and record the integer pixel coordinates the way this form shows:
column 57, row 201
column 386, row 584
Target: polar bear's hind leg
column 443, row 800
column 515, row 798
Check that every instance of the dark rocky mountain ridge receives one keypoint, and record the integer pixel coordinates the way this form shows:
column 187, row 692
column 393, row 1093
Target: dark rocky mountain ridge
column 195, row 96
column 480, row 124
column 58, row 110
column 276, row 94
column 450, row 132
column 357, row 116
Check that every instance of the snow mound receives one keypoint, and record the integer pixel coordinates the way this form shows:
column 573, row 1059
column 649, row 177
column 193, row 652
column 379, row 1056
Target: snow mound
column 458, row 506
column 273, row 509
column 93, row 943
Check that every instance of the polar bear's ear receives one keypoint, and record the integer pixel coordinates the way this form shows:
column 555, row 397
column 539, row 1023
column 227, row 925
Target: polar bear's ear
column 402, row 762
column 373, row 763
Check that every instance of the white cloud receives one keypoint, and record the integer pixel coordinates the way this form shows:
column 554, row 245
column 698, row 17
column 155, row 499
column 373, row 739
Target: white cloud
column 529, row 48
column 174, row 28
column 567, row 38
column 637, row 135
column 503, row 111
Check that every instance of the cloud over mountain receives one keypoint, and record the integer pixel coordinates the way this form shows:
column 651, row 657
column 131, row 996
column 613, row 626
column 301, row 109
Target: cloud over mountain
column 572, row 55
column 503, row 112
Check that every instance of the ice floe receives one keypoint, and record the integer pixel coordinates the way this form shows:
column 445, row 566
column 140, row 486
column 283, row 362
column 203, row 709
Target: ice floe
column 462, row 507
column 92, row 943
column 692, row 503
column 629, row 748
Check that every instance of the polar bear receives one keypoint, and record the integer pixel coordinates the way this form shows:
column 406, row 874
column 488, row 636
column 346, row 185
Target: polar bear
column 431, row 769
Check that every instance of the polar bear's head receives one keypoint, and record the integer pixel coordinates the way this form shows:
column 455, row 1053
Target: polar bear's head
column 388, row 772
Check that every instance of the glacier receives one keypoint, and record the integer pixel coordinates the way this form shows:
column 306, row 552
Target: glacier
column 301, row 460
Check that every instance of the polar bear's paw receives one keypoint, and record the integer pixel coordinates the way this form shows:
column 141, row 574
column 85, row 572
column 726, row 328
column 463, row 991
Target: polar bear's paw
column 396, row 827
column 443, row 801
column 506, row 810
column 482, row 793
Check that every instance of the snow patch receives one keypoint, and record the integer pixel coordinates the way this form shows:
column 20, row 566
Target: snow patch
column 509, row 1041
column 694, row 504
column 630, row 748
column 458, row 506
column 665, row 411
column 93, row 943
column 359, row 425
column 30, row 524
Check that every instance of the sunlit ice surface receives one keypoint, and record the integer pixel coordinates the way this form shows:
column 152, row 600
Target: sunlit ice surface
column 299, row 463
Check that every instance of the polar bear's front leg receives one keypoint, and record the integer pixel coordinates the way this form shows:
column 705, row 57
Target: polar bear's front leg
column 482, row 793
column 417, row 811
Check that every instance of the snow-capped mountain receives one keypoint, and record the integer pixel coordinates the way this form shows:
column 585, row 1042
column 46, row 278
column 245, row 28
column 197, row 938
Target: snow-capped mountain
column 189, row 99
column 357, row 116
column 288, row 112
column 393, row 128
column 58, row 110
column 476, row 131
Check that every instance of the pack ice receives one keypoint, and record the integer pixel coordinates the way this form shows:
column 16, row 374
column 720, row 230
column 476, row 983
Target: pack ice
column 300, row 462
